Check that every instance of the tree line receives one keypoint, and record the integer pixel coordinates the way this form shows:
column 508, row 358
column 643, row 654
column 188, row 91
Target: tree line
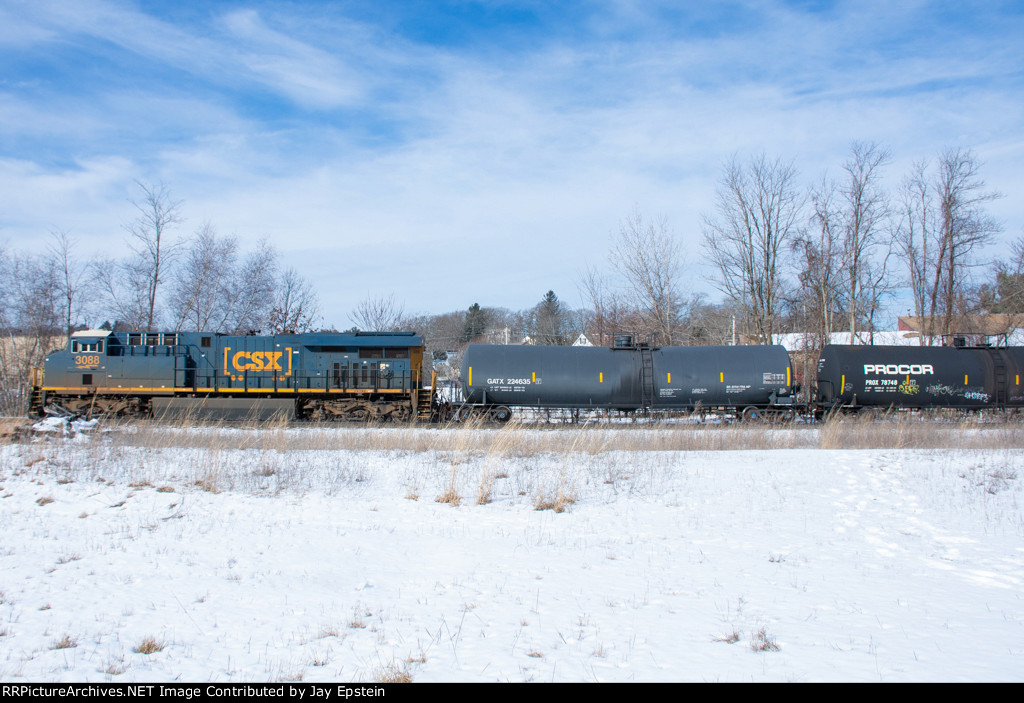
column 817, row 259
column 834, row 253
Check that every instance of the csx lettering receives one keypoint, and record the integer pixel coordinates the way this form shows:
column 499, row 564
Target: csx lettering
column 256, row 361
column 898, row 369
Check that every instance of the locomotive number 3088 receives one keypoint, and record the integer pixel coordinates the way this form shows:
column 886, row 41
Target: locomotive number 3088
column 87, row 360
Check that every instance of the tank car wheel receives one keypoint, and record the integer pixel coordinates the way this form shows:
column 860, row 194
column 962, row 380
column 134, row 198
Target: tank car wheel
column 753, row 415
column 500, row 415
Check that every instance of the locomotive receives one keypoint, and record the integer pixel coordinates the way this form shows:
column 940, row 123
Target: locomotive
column 882, row 377
column 319, row 376
column 752, row 382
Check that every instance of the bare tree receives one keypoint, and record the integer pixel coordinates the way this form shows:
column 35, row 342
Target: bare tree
column 32, row 322
column 965, row 225
column 758, row 209
column 820, row 258
column 204, row 282
column 148, row 240
column 648, row 258
column 253, row 300
column 604, row 306
column 944, row 222
column 865, row 212
column 71, row 278
column 818, row 296
column 378, row 314
column 1007, row 293
column 211, row 292
column 296, row 306
column 915, row 236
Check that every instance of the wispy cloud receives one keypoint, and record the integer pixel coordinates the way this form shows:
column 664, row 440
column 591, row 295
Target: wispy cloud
column 502, row 140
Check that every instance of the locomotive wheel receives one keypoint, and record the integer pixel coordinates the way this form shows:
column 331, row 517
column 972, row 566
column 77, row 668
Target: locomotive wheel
column 500, row 415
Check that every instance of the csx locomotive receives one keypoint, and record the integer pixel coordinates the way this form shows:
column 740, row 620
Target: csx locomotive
column 320, row 376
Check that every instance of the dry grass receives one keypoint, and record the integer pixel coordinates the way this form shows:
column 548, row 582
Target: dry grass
column 485, row 491
column 149, row 645
column 451, row 494
column 763, row 642
column 393, row 673
column 732, row 638
column 208, row 483
column 114, row 668
column 558, row 501
column 274, row 458
column 65, row 642
column 460, row 442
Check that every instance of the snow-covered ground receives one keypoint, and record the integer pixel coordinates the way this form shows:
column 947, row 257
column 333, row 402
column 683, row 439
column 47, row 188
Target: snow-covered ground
column 287, row 560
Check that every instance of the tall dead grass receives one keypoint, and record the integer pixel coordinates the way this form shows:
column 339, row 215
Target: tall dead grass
column 514, row 439
column 272, row 457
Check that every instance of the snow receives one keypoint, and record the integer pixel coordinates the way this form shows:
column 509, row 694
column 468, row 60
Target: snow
column 269, row 556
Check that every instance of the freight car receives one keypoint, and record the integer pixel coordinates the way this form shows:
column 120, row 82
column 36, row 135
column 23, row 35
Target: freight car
column 749, row 381
column 320, row 376
column 852, row 378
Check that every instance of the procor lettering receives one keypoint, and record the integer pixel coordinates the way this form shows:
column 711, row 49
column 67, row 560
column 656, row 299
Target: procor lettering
column 256, row 361
column 899, row 369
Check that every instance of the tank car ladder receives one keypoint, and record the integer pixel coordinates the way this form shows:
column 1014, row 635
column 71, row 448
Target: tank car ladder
column 646, row 378
column 999, row 377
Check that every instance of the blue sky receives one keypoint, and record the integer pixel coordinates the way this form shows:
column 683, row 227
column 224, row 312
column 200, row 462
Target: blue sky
column 488, row 148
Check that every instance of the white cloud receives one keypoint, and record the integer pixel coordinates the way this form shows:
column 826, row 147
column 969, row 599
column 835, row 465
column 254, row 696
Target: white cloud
column 495, row 173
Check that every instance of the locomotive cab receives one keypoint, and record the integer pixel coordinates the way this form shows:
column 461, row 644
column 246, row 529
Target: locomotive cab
column 84, row 359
